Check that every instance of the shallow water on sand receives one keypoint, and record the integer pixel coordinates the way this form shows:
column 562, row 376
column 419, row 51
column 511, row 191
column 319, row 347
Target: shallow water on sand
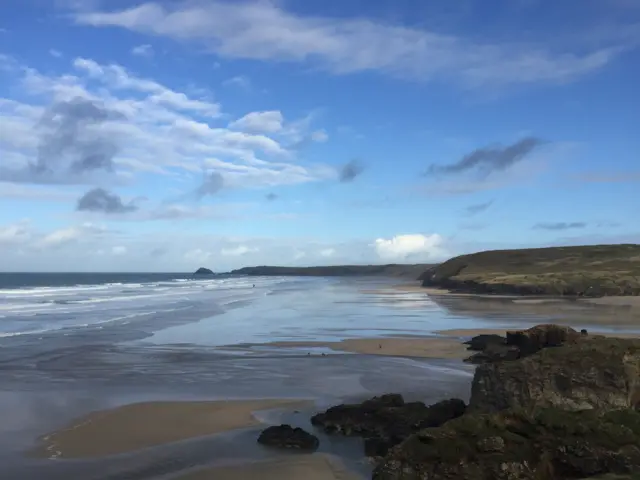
column 69, row 350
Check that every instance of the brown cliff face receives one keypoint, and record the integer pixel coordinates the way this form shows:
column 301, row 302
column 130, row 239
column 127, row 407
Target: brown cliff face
column 602, row 373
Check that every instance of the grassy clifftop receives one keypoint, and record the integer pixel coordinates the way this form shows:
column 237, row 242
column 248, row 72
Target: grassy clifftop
column 591, row 270
column 392, row 270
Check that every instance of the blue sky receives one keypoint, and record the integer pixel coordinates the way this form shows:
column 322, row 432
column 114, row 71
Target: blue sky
column 162, row 136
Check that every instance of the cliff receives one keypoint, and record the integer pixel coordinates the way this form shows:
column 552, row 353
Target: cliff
column 591, row 271
column 393, row 270
column 566, row 409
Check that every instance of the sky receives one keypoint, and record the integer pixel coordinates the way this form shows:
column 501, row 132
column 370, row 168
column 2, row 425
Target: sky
column 168, row 135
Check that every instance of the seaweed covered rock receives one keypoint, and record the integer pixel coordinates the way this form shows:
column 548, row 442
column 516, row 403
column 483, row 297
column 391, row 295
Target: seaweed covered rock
column 520, row 343
column 536, row 338
column 287, row 437
column 545, row 444
column 386, row 420
column 595, row 372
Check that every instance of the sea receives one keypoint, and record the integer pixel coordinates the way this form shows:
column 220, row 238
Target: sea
column 75, row 343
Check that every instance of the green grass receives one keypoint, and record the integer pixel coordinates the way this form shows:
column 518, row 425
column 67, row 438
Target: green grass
column 593, row 270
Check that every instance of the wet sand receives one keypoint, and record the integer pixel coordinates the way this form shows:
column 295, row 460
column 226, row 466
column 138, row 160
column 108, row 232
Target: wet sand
column 307, row 467
column 141, row 425
column 421, row 347
column 602, row 313
column 449, row 347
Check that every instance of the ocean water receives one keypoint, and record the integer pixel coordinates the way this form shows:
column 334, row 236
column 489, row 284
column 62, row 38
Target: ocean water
column 75, row 343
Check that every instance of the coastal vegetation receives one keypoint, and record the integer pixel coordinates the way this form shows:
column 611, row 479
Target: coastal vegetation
column 589, row 271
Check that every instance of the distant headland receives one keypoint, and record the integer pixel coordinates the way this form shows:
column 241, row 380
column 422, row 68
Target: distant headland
column 579, row 271
column 391, row 270
column 203, row 271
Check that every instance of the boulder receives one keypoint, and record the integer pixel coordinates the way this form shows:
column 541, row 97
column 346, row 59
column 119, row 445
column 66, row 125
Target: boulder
column 546, row 444
column 596, row 372
column 481, row 342
column 495, row 353
column 287, row 437
column 520, row 343
column 386, row 420
column 541, row 336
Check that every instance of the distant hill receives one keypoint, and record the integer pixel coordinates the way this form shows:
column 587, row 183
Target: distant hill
column 203, row 271
column 590, row 270
column 393, row 270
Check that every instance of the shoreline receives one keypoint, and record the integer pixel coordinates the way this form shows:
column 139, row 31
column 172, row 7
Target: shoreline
column 443, row 345
column 632, row 301
column 315, row 466
column 137, row 426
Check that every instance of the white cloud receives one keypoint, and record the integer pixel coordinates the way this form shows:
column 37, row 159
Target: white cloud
column 264, row 31
column 55, row 53
column 93, row 247
column 413, row 246
column 198, row 255
column 319, row 136
column 71, row 234
column 16, row 233
column 240, row 81
column 142, row 51
column 260, row 122
column 158, row 130
column 237, row 251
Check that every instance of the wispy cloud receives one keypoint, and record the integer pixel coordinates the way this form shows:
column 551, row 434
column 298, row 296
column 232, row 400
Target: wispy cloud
column 478, row 208
column 212, row 184
column 559, row 225
column 487, row 160
column 100, row 200
column 351, row 170
column 103, row 125
column 239, row 81
column 265, row 31
column 143, row 51
column 609, row 177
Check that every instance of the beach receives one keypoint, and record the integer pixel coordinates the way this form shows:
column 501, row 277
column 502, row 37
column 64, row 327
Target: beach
column 175, row 378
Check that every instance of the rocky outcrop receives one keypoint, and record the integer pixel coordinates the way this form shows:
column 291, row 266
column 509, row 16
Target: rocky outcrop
column 483, row 341
column 289, row 438
column 386, row 420
column 520, row 343
column 550, row 403
column 203, row 271
column 547, row 444
column 592, row 373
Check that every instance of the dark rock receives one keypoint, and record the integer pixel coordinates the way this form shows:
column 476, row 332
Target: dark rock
column 596, row 372
column 545, row 444
column 584, row 331
column 386, row 420
column 521, row 343
column 495, row 353
column 541, row 336
column 287, row 437
column 481, row 342
column 203, row 271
